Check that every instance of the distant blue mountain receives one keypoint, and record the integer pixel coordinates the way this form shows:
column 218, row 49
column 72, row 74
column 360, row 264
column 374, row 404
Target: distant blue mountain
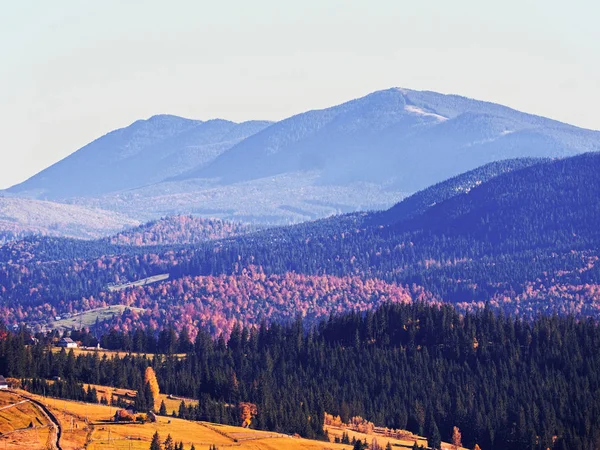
column 143, row 153
column 406, row 140
column 368, row 153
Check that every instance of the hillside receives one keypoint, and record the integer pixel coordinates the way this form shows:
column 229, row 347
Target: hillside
column 89, row 425
column 178, row 230
column 365, row 154
column 419, row 202
column 143, row 153
column 20, row 217
column 524, row 241
column 504, row 382
column 400, row 138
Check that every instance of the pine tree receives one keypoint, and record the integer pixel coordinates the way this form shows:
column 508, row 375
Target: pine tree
column 140, row 400
column 169, row 444
column 433, row 433
column 163, row 408
column 155, row 444
column 345, row 438
column 358, row 445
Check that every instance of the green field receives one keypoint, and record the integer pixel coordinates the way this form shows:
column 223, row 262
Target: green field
column 88, row 318
column 142, row 282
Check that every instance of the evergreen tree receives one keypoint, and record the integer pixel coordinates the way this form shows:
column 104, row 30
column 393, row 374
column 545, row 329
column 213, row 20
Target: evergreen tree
column 433, row 433
column 155, row 444
column 169, row 444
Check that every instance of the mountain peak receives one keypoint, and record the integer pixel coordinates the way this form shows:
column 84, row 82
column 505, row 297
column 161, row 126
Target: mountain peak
column 366, row 153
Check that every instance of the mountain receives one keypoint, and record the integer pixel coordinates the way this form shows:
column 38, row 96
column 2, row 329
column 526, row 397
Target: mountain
column 366, row 154
column 402, row 139
column 20, row 217
column 421, row 201
column 143, row 153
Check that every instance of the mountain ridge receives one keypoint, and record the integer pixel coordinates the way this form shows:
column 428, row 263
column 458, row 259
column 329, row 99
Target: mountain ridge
column 151, row 149
column 367, row 153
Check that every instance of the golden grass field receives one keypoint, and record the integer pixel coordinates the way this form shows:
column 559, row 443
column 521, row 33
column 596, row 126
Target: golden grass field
column 86, row 426
column 16, row 414
column 171, row 404
column 89, row 426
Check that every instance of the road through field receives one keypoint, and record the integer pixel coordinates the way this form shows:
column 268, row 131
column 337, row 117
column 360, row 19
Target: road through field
column 51, row 417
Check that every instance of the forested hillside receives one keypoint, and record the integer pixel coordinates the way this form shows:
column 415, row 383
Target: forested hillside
column 507, row 384
column 525, row 241
column 421, row 201
column 179, row 230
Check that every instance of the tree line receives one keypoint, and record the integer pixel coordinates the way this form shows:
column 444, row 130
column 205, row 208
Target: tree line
column 504, row 382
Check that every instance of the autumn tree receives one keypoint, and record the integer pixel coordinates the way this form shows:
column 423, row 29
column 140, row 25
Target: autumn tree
column 456, row 438
column 150, row 379
column 247, row 411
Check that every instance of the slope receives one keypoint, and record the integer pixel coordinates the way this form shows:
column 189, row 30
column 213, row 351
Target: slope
column 419, row 202
column 403, row 139
column 20, row 217
column 145, row 152
column 366, row 154
column 526, row 241
column 177, row 230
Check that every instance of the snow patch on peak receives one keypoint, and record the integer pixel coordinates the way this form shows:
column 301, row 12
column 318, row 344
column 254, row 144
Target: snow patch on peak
column 421, row 112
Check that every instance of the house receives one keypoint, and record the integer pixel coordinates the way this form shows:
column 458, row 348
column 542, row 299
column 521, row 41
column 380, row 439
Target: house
column 3, row 382
column 67, row 343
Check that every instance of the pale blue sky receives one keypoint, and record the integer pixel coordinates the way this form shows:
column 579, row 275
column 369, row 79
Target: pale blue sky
column 73, row 70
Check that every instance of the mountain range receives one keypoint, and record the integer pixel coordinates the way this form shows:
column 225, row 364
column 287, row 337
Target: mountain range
column 366, row 154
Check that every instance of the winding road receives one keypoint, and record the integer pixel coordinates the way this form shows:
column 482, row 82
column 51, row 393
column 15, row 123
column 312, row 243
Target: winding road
column 49, row 415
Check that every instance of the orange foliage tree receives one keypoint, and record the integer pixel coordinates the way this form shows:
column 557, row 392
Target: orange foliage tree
column 150, row 378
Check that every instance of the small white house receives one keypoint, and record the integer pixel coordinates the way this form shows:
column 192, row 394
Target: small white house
column 67, row 343
column 3, row 383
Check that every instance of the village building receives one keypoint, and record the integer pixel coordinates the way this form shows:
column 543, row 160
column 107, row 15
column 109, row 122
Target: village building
column 67, row 343
column 3, row 382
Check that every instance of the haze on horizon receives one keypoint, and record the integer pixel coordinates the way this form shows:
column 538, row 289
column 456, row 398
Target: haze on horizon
column 76, row 70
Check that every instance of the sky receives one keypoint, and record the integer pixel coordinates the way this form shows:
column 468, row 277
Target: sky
column 73, row 70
